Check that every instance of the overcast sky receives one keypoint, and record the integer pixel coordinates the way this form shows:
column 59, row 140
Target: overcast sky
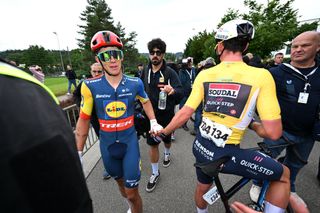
column 32, row 22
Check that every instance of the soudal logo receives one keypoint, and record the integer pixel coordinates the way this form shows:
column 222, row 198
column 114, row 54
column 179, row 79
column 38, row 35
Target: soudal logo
column 224, row 90
column 116, row 125
column 116, row 109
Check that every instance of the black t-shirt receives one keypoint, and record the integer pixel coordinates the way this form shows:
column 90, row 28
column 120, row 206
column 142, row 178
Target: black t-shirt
column 39, row 163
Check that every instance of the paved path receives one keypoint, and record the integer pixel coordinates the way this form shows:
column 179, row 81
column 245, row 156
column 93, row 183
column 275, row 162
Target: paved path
column 175, row 190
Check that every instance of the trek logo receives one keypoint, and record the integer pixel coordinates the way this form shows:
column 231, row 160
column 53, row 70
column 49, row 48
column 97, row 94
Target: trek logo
column 132, row 183
column 224, row 90
column 116, row 109
column 116, row 125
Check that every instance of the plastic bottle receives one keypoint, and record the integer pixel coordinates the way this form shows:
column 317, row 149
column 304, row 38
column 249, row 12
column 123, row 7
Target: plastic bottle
column 162, row 100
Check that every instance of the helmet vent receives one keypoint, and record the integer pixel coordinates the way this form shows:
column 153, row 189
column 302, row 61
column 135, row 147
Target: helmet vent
column 106, row 37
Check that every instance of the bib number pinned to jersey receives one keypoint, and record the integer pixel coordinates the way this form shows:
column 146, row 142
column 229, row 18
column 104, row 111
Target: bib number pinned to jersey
column 218, row 133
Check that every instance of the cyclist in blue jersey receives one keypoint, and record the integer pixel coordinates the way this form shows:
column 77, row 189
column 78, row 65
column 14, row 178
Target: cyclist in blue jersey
column 113, row 95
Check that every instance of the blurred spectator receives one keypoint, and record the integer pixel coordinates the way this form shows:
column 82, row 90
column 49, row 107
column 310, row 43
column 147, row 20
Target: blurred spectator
column 249, row 55
column 206, row 64
column 246, row 59
column 139, row 71
column 256, row 61
column 278, row 59
column 37, row 73
column 186, row 75
column 71, row 75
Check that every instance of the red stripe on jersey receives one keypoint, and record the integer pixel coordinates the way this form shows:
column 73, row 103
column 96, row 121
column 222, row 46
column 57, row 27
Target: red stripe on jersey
column 116, row 125
column 84, row 116
column 224, row 86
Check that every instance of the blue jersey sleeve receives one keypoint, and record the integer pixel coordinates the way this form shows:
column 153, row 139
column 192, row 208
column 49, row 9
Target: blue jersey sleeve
column 141, row 93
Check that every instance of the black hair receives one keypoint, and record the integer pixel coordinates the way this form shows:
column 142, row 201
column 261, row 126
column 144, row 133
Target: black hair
column 235, row 44
column 256, row 62
column 157, row 43
column 279, row 53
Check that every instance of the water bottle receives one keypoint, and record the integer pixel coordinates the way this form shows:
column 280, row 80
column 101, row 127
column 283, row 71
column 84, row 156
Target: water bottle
column 162, row 100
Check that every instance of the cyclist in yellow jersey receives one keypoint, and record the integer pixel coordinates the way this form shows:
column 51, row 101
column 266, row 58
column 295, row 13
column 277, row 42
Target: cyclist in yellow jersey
column 231, row 91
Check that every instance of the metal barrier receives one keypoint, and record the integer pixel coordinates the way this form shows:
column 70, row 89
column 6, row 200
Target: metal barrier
column 72, row 114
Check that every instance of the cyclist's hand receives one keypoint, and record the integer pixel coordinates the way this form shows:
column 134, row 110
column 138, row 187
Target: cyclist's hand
column 155, row 128
column 241, row 208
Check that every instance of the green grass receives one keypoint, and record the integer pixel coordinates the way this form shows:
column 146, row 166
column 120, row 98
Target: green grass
column 58, row 85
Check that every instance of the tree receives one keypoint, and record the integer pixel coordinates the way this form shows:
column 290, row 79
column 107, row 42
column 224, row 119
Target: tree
column 97, row 17
column 200, row 46
column 230, row 15
column 275, row 23
column 37, row 55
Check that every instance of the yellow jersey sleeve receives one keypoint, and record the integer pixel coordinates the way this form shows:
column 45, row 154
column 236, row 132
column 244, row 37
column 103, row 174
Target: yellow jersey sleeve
column 267, row 102
column 86, row 102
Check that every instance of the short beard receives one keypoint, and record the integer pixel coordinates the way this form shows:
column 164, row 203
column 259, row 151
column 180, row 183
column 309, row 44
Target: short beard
column 155, row 62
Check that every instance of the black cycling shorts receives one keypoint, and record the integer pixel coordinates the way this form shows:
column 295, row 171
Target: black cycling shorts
column 243, row 162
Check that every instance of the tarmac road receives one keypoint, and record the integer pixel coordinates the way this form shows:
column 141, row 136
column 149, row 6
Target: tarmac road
column 175, row 189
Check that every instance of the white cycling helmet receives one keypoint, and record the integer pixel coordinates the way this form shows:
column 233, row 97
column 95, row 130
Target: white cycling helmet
column 235, row 29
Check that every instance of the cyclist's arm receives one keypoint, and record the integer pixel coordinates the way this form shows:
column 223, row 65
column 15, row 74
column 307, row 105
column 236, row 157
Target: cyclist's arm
column 147, row 107
column 82, row 130
column 268, row 109
column 271, row 129
column 83, row 123
column 179, row 119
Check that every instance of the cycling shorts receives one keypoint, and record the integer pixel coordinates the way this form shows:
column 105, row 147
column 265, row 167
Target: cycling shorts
column 128, row 168
column 243, row 162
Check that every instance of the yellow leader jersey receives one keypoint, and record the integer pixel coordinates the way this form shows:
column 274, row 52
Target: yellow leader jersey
column 230, row 92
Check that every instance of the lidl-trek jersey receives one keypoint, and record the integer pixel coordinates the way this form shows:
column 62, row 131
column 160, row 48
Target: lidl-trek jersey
column 230, row 92
column 115, row 111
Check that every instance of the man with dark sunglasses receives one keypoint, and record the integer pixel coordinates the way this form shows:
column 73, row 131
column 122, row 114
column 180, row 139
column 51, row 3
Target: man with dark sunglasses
column 113, row 96
column 160, row 77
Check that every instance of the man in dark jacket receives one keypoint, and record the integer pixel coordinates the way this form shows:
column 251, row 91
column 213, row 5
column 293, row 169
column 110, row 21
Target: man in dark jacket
column 160, row 77
column 71, row 75
column 187, row 75
column 298, row 92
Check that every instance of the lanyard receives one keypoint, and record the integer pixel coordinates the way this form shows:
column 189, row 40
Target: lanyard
column 307, row 84
column 190, row 74
column 149, row 74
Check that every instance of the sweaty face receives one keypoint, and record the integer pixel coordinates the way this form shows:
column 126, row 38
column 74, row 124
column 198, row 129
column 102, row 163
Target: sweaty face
column 111, row 58
column 156, row 56
column 304, row 48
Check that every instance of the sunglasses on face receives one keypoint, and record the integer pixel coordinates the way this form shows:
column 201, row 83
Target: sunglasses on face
column 106, row 55
column 157, row 52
